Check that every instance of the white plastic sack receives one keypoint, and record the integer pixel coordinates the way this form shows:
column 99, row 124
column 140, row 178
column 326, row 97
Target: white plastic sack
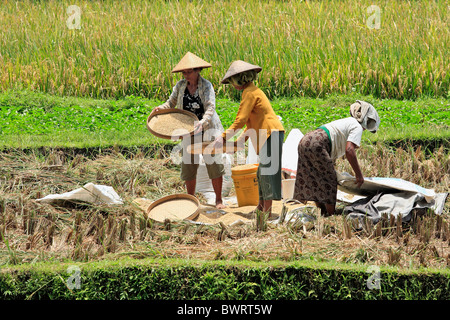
column 252, row 157
column 204, row 184
column 290, row 154
column 91, row 193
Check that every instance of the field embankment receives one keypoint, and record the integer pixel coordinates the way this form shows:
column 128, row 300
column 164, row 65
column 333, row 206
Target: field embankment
column 181, row 280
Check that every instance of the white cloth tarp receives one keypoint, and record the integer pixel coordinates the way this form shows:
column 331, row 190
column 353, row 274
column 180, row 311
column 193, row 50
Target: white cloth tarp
column 373, row 185
column 90, row 193
column 393, row 196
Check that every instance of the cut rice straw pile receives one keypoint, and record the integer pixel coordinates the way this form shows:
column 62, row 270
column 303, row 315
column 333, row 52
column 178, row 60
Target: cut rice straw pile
column 32, row 231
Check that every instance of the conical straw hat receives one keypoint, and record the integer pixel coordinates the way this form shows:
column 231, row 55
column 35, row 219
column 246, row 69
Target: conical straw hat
column 239, row 66
column 190, row 61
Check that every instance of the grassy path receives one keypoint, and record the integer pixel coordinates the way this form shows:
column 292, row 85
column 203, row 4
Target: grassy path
column 34, row 120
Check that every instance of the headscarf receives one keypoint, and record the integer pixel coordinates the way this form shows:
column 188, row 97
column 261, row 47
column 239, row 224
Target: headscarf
column 243, row 78
column 366, row 115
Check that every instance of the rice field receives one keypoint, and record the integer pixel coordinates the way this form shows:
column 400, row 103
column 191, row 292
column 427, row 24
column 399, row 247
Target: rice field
column 111, row 49
column 86, row 81
column 33, row 232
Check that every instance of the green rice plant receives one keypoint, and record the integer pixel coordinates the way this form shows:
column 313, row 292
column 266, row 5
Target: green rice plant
column 12, row 256
column 261, row 218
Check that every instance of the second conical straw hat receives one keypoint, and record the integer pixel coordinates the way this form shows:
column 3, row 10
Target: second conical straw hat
column 239, row 66
column 190, row 61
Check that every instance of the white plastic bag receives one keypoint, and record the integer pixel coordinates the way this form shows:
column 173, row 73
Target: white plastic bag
column 252, row 157
column 204, row 184
column 290, row 154
column 91, row 193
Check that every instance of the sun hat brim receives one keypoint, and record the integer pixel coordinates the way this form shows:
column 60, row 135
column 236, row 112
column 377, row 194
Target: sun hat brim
column 190, row 61
column 237, row 67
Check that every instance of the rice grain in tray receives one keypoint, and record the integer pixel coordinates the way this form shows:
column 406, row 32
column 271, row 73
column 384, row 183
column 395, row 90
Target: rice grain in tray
column 172, row 123
column 207, row 147
column 174, row 207
column 171, row 210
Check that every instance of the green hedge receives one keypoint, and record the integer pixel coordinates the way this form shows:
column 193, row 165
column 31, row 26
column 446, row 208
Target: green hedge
column 175, row 280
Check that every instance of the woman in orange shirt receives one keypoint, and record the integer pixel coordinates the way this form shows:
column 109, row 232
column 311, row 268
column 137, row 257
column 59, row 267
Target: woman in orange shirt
column 262, row 126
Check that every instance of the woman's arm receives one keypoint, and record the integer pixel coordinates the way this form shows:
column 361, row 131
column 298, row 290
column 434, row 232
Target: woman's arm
column 350, row 154
column 172, row 101
column 209, row 104
column 245, row 108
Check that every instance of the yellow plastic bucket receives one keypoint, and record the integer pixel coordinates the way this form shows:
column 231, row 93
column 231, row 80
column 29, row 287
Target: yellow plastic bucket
column 246, row 184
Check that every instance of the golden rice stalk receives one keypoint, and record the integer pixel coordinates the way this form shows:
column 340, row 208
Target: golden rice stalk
column 347, row 228
column 394, row 256
column 123, row 230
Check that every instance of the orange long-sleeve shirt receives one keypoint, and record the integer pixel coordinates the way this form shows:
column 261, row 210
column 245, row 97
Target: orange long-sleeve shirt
column 255, row 112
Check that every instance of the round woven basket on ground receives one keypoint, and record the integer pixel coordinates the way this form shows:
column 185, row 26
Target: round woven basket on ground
column 169, row 123
column 174, row 207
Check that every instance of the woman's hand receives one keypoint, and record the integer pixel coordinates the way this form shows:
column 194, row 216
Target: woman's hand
column 154, row 110
column 359, row 180
column 350, row 154
column 198, row 127
column 218, row 143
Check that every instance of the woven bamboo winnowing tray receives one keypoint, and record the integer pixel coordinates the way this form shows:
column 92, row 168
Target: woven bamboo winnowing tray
column 170, row 123
column 174, row 207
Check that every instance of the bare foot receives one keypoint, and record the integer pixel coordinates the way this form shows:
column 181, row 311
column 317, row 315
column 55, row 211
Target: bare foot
column 220, row 205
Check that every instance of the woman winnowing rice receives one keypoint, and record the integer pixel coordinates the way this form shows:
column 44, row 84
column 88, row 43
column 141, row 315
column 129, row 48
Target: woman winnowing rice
column 316, row 178
column 196, row 94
